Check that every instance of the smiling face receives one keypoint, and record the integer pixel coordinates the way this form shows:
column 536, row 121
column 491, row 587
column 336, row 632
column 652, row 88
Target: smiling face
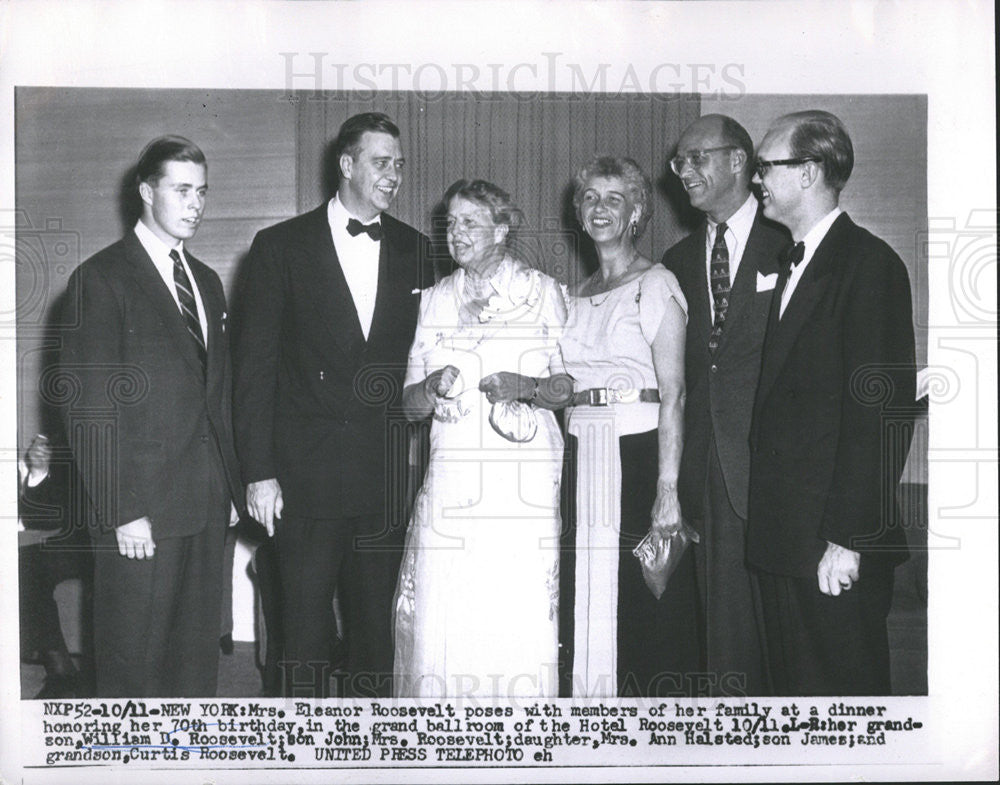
column 606, row 209
column 714, row 185
column 371, row 178
column 173, row 206
column 780, row 187
column 474, row 241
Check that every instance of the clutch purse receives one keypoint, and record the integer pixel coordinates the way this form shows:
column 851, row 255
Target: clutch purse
column 513, row 420
column 656, row 570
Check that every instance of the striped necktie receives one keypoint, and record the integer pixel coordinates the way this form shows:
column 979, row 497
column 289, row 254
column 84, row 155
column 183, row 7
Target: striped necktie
column 718, row 271
column 185, row 295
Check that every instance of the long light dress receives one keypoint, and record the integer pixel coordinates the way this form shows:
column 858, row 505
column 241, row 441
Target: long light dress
column 476, row 608
column 624, row 641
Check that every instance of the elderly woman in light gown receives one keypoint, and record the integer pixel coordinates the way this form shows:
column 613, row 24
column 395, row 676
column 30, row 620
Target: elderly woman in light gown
column 633, row 630
column 477, row 600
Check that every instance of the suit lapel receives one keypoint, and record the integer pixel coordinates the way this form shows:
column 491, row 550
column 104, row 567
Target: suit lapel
column 699, row 308
column 148, row 281
column 756, row 258
column 331, row 296
column 387, row 281
column 782, row 332
column 214, row 314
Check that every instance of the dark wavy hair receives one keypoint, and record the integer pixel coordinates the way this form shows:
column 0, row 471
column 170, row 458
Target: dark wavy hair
column 639, row 187
column 349, row 136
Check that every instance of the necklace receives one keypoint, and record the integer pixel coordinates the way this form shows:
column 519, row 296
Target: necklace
column 611, row 283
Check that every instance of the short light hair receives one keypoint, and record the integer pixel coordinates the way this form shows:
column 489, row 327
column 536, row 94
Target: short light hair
column 819, row 134
column 155, row 155
column 640, row 190
column 349, row 136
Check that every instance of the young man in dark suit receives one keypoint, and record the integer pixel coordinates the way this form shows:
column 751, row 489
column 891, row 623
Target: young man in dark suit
column 328, row 312
column 832, row 423
column 145, row 359
column 727, row 269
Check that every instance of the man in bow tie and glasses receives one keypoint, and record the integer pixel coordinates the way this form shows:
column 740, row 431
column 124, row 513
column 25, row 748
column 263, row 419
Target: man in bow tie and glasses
column 151, row 434
column 327, row 316
column 831, row 425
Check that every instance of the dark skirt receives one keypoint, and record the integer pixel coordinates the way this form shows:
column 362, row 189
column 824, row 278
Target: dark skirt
column 658, row 639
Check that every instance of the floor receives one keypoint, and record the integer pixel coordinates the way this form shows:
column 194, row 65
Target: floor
column 239, row 676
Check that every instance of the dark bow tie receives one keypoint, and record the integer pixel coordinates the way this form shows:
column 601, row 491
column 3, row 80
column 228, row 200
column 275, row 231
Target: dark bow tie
column 373, row 230
column 793, row 255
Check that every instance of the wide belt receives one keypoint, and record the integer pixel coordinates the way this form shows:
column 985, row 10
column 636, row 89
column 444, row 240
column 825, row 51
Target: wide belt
column 603, row 396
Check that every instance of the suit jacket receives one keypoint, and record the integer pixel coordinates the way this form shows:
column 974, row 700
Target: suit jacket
column 721, row 385
column 314, row 401
column 150, row 431
column 834, row 411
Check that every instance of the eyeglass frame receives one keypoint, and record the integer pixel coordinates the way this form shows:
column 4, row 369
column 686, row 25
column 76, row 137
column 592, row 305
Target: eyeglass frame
column 761, row 165
column 686, row 158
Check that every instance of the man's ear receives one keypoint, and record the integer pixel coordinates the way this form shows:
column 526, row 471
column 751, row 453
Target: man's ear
column 738, row 160
column 809, row 174
column 146, row 192
column 346, row 166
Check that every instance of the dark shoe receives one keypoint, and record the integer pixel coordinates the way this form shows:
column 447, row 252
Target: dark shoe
column 226, row 643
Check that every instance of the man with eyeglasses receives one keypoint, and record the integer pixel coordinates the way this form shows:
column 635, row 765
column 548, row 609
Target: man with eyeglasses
column 832, row 422
column 727, row 268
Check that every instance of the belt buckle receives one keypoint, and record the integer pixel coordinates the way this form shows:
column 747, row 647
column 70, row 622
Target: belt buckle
column 597, row 396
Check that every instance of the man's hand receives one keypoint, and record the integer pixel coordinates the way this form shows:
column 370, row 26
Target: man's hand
column 265, row 503
column 37, row 459
column 838, row 569
column 234, row 516
column 135, row 539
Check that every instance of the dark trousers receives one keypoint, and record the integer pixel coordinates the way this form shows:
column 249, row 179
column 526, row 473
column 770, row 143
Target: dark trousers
column 730, row 596
column 315, row 556
column 42, row 566
column 823, row 645
column 156, row 621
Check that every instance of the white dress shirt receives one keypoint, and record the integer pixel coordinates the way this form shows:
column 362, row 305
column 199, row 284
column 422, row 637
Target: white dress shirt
column 811, row 241
column 159, row 252
column 737, row 232
column 358, row 257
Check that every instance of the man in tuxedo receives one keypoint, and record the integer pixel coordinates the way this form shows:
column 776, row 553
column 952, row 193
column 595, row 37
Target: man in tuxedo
column 146, row 353
column 328, row 312
column 727, row 269
column 832, row 423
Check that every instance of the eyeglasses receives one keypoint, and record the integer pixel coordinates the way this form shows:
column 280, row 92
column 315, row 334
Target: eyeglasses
column 696, row 158
column 762, row 165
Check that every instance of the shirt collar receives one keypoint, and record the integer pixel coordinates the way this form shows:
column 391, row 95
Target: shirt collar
column 154, row 246
column 338, row 215
column 815, row 235
column 740, row 222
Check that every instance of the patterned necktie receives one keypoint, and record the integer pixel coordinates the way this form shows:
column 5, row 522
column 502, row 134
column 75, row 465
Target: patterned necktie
column 373, row 230
column 185, row 294
column 718, row 272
